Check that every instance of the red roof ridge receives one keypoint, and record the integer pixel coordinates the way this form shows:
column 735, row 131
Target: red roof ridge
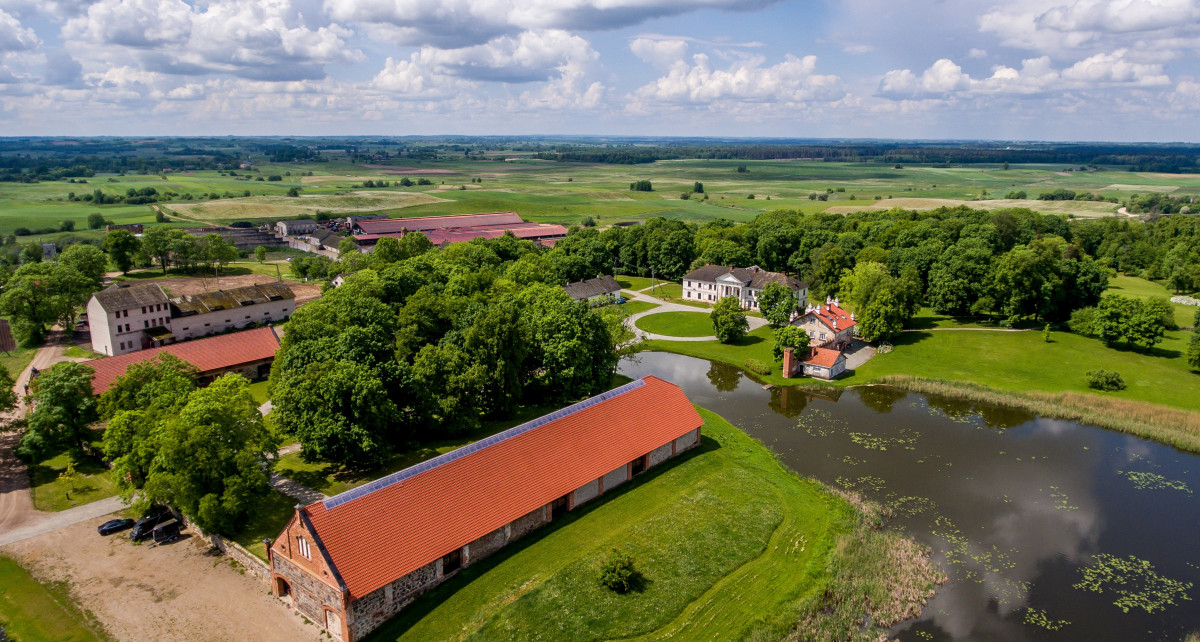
column 382, row 533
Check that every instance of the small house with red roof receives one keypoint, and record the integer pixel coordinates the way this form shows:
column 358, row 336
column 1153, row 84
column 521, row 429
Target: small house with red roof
column 352, row 561
column 827, row 324
column 821, row 363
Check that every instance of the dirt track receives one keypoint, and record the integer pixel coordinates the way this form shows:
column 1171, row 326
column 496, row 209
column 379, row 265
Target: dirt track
column 172, row 592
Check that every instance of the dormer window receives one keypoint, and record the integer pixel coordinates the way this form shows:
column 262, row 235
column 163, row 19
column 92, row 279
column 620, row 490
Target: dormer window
column 302, row 546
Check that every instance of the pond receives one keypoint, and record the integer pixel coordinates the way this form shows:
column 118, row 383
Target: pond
column 1048, row 529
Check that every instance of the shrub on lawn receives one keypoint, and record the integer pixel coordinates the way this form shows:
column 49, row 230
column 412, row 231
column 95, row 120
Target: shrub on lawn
column 619, row 575
column 1105, row 380
column 754, row 365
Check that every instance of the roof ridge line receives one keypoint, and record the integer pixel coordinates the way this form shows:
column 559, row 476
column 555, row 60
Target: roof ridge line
column 429, row 464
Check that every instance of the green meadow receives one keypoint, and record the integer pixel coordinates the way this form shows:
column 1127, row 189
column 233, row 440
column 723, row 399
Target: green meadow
column 567, row 192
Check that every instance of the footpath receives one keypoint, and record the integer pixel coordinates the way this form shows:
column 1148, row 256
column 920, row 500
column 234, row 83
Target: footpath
column 665, row 306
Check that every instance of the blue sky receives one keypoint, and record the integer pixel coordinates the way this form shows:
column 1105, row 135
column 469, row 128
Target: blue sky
column 1022, row 69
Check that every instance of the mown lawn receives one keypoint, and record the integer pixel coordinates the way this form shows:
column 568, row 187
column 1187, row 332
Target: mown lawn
column 30, row 610
column 727, row 539
column 634, row 307
column 17, row 360
column 51, row 494
column 757, row 344
column 258, row 390
column 266, row 522
column 677, row 324
column 1020, row 361
column 1143, row 289
column 635, row 282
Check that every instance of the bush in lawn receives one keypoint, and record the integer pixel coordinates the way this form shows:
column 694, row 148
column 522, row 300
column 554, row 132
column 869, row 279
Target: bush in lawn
column 754, row 365
column 1105, row 380
column 619, row 575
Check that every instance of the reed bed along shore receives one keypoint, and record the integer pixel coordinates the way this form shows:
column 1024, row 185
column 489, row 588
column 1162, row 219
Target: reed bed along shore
column 1171, row 426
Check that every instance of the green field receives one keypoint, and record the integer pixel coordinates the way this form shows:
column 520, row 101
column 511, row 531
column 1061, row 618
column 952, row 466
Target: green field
column 34, row 612
column 568, row 192
column 677, row 324
column 714, row 533
column 1143, row 289
column 267, row 520
column 52, row 494
column 634, row 307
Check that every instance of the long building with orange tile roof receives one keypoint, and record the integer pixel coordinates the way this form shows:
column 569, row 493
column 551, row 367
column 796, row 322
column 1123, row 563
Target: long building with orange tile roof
column 350, row 562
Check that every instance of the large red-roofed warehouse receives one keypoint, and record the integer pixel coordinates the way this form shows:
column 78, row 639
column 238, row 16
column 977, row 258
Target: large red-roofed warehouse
column 352, row 561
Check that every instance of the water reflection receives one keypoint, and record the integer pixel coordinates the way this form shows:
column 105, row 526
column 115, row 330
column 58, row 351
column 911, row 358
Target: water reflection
column 1012, row 515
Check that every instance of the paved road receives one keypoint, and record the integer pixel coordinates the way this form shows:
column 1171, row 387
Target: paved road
column 663, row 306
column 48, row 522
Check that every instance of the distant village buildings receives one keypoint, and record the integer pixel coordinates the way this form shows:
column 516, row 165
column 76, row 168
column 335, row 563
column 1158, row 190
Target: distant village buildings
column 352, row 561
column 712, row 283
column 127, row 318
column 456, row 228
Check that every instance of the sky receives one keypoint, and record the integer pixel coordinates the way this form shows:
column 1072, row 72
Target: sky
column 1107, row 70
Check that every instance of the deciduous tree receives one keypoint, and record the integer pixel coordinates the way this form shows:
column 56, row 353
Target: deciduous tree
column 777, row 302
column 63, row 409
column 728, row 321
column 122, row 247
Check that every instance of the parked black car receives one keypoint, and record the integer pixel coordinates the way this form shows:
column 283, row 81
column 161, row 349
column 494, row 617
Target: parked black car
column 145, row 526
column 114, row 526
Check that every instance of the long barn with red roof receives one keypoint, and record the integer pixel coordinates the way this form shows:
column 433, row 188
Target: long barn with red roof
column 352, row 561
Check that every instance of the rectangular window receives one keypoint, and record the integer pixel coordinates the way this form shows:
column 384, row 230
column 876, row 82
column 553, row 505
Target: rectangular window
column 302, row 546
column 637, row 466
column 122, row 345
column 145, row 323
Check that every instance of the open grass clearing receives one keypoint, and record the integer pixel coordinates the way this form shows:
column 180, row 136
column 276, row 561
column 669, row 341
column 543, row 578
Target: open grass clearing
column 17, row 360
column 632, row 307
column 727, row 538
column 1133, row 286
column 266, row 521
column 258, row 390
column 1020, row 361
column 635, row 282
column 677, row 324
column 52, row 494
column 36, row 612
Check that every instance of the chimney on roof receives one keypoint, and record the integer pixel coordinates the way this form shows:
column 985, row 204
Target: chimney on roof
column 828, row 300
column 851, row 316
column 836, row 302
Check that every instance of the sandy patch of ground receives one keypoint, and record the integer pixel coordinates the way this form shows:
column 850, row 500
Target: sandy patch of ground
column 172, row 592
column 180, row 286
column 260, row 207
column 1087, row 209
column 1120, row 187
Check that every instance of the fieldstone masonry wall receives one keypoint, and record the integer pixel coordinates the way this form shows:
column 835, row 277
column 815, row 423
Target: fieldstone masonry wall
column 687, row 441
column 308, row 594
column 375, row 609
column 586, row 492
column 660, row 454
column 617, row 477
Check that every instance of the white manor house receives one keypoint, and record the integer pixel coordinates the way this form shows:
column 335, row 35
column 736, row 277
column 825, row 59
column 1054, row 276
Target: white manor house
column 712, row 283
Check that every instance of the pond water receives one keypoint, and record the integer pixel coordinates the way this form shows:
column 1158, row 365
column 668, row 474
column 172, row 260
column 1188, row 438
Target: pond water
column 1048, row 529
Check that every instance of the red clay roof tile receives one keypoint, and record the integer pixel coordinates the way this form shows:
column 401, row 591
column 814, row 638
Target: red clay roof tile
column 208, row 354
column 391, row 531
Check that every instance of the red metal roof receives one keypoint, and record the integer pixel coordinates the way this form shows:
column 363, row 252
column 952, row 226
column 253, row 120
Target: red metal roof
column 823, row 357
column 425, row 223
column 414, row 517
column 208, row 354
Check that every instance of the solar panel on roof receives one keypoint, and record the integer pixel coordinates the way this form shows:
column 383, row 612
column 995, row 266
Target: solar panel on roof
column 429, row 464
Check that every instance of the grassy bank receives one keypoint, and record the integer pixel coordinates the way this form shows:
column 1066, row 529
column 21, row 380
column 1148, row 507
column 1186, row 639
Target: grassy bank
column 731, row 543
column 266, row 521
column 1172, row 426
column 32, row 611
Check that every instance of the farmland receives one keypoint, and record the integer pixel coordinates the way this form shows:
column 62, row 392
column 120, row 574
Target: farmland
column 567, row 192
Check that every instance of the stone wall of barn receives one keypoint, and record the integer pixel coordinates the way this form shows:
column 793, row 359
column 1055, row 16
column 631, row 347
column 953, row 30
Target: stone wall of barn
column 660, row 454
column 375, row 608
column 369, row 612
column 586, row 492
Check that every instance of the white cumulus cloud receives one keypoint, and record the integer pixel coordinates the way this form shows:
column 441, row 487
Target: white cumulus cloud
column 790, row 81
